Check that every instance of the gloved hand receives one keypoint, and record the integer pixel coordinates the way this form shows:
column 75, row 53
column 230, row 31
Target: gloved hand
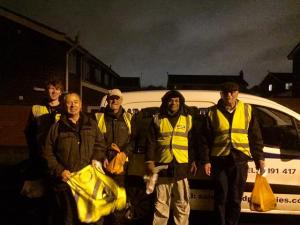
column 98, row 165
column 149, row 167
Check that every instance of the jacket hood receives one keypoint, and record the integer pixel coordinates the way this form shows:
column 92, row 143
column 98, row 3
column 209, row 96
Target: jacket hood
column 172, row 94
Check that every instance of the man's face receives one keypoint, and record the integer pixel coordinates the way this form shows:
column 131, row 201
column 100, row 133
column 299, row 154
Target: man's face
column 114, row 102
column 73, row 104
column 54, row 92
column 174, row 104
column 229, row 97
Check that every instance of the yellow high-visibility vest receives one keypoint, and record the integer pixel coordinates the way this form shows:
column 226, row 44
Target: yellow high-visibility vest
column 95, row 194
column 101, row 122
column 39, row 110
column 227, row 136
column 173, row 142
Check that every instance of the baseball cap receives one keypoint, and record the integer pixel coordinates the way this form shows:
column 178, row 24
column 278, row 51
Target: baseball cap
column 114, row 92
column 229, row 86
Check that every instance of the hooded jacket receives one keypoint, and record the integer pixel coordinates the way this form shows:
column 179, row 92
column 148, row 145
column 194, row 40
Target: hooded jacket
column 175, row 169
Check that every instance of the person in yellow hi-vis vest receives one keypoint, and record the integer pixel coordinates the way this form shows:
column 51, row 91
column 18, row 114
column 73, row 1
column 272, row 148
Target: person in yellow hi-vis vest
column 73, row 143
column 169, row 143
column 231, row 136
column 115, row 124
column 41, row 117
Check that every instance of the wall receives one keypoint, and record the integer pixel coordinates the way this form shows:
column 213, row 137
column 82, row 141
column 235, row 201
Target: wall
column 13, row 147
column 28, row 59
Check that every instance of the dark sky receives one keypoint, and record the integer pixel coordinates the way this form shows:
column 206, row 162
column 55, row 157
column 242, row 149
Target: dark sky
column 150, row 38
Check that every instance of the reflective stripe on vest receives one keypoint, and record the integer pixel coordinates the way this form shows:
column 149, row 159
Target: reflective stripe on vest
column 173, row 141
column 235, row 136
column 39, row 110
column 95, row 194
column 101, row 122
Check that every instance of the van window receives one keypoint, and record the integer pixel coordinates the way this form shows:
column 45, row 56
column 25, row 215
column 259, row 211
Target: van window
column 277, row 128
column 140, row 125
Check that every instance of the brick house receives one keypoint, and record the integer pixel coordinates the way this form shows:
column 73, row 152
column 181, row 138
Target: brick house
column 32, row 53
column 294, row 55
column 277, row 84
column 282, row 84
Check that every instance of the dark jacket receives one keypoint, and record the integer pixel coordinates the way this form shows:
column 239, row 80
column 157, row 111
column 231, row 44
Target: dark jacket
column 36, row 131
column 206, row 137
column 72, row 147
column 117, row 132
column 176, row 170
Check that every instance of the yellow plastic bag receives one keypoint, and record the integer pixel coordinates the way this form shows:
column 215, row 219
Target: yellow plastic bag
column 95, row 194
column 262, row 197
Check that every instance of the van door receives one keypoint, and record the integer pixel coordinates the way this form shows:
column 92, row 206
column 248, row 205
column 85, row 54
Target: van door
column 280, row 134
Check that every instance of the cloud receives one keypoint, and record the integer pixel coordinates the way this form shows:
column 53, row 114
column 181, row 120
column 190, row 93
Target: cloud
column 150, row 38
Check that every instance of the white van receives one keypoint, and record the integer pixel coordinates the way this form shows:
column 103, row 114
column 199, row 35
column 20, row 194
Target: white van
column 281, row 134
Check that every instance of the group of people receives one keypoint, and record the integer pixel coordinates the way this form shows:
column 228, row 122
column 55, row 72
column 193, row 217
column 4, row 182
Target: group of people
column 62, row 139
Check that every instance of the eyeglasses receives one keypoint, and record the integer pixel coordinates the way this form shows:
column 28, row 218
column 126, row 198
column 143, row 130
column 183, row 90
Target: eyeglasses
column 113, row 97
column 231, row 92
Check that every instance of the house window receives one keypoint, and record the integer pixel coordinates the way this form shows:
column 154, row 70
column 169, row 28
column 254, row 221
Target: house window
column 106, row 79
column 86, row 71
column 288, row 86
column 270, row 87
column 92, row 73
column 112, row 82
column 72, row 63
column 98, row 75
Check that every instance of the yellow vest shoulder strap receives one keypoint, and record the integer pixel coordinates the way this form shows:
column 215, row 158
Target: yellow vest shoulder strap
column 38, row 110
column 101, row 122
column 127, row 117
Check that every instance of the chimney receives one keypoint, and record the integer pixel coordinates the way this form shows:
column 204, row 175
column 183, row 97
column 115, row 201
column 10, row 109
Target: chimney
column 241, row 74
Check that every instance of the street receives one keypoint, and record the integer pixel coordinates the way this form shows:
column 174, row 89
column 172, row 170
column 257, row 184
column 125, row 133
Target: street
column 250, row 219
column 14, row 210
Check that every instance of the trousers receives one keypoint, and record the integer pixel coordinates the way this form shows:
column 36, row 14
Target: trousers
column 169, row 190
column 229, row 178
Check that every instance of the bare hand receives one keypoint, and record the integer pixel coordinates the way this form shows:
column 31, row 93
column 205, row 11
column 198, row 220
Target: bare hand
column 207, row 169
column 194, row 168
column 261, row 165
column 105, row 163
column 66, row 174
column 150, row 167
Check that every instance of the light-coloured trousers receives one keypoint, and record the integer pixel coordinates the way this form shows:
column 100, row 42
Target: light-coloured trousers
column 169, row 191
